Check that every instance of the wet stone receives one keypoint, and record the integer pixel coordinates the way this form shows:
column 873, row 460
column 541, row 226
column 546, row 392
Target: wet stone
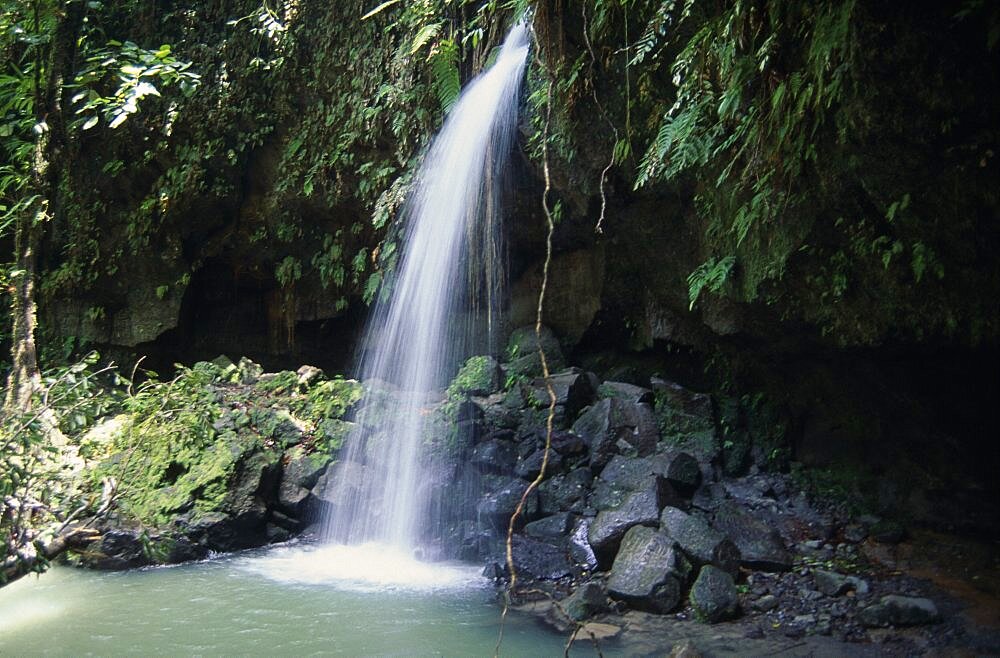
column 586, row 601
column 713, row 595
column 648, row 571
column 701, row 543
column 556, row 526
column 760, row 545
column 494, row 456
column 607, row 530
column 540, row 560
column 895, row 610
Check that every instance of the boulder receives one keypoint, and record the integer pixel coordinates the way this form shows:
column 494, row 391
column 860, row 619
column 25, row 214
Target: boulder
column 553, row 527
column 117, row 549
column 587, row 600
column 340, row 480
column 760, row 545
column 539, row 560
column 565, row 492
column 522, row 348
column 497, row 506
column 681, row 469
column 579, row 545
column 624, row 475
column 625, row 392
column 699, row 542
column 693, row 410
column 568, row 444
column 895, row 610
column 479, row 375
column 494, row 456
column 833, row 584
column 607, row 530
column 529, row 467
column 572, row 389
column 713, row 595
column 298, row 476
column 648, row 571
column 611, row 424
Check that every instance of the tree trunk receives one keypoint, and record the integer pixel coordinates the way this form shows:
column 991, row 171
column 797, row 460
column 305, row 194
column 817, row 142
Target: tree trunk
column 46, row 171
column 15, row 567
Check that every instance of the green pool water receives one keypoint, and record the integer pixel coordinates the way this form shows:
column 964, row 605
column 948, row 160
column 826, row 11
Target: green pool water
column 283, row 601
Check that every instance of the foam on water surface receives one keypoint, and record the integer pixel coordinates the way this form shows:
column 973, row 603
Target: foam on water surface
column 370, row 567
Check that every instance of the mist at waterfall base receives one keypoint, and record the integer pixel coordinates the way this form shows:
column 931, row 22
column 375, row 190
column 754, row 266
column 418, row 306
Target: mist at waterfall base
column 442, row 306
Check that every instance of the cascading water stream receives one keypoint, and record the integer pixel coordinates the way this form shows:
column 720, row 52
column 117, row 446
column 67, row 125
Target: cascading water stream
column 415, row 338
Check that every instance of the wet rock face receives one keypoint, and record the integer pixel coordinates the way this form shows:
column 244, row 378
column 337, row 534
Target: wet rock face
column 648, row 572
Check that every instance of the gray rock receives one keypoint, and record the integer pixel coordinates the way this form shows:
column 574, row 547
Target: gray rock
column 611, row 423
column 680, row 468
column 497, row 506
column 568, row 444
column 624, row 475
column 556, row 526
column 529, row 467
column 595, row 426
column 572, row 389
column 538, row 560
column 766, row 603
column 565, row 492
column 522, row 348
column 626, row 392
column 607, row 530
column 760, row 545
column 298, row 476
column 292, row 498
column 696, row 407
column 895, row 610
column 344, row 478
column 859, row 584
column 579, row 545
column 830, row 583
column 700, row 543
column 629, row 473
column 648, row 571
column 309, row 375
column 494, row 456
column 117, row 549
column 855, row 533
column 586, row 601
column 713, row 595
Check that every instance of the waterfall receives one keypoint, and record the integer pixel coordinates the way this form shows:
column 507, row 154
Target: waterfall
column 446, row 287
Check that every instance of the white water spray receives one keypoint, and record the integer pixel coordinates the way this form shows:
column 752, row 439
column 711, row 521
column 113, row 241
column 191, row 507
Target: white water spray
column 415, row 338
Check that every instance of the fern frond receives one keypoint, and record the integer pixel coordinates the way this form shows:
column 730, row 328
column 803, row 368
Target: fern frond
column 424, row 36
column 444, row 68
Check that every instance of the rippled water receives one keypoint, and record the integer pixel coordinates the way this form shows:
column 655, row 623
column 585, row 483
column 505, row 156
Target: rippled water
column 283, row 601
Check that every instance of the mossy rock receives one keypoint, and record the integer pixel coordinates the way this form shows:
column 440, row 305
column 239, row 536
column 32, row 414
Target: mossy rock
column 522, row 352
column 480, row 375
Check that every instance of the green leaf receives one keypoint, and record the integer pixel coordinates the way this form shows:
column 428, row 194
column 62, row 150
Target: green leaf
column 384, row 5
column 425, row 34
column 90, row 123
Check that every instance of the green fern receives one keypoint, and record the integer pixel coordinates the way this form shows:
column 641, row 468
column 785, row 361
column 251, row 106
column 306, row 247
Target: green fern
column 424, row 36
column 444, row 68
column 711, row 274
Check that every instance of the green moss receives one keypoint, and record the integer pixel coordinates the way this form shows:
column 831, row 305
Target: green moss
column 480, row 375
